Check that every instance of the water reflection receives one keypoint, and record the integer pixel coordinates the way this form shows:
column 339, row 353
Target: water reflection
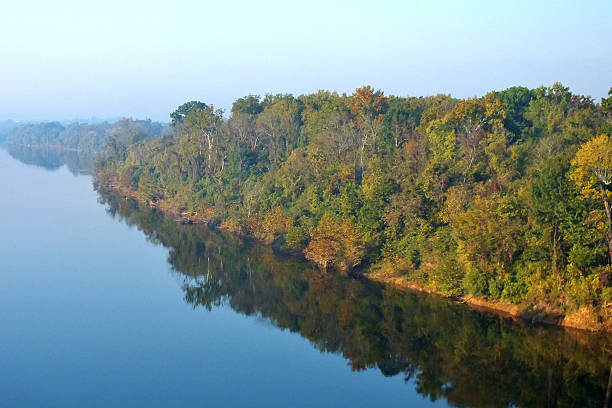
column 452, row 353
column 51, row 158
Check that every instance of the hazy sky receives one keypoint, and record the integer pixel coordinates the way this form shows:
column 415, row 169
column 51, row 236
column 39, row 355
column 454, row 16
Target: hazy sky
column 64, row 59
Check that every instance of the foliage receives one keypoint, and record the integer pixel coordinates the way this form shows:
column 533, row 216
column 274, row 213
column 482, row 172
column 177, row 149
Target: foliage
column 477, row 196
column 593, row 175
column 335, row 244
column 182, row 111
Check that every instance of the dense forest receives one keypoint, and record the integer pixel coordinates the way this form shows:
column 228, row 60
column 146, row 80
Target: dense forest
column 448, row 351
column 504, row 197
column 84, row 137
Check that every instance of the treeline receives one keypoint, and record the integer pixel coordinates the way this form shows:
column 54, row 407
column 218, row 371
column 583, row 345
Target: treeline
column 84, row 137
column 506, row 196
column 5, row 128
column 448, row 352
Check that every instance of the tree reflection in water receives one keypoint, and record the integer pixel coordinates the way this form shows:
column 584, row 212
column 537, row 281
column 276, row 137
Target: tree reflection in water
column 451, row 352
column 52, row 158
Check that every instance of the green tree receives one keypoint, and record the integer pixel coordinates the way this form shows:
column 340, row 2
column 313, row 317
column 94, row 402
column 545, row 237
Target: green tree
column 185, row 109
column 606, row 103
column 551, row 192
column 279, row 125
column 251, row 105
column 488, row 234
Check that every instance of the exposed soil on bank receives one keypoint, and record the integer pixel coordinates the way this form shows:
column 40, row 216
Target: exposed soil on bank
column 166, row 206
column 583, row 319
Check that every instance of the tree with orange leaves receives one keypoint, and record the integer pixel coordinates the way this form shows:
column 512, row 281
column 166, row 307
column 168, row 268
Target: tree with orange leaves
column 334, row 244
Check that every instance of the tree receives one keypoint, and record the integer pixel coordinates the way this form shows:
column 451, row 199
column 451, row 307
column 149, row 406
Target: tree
column 242, row 141
column 147, row 186
column 516, row 101
column 606, row 103
column 442, row 152
column 279, row 125
column 335, row 244
column 547, row 109
column 368, row 106
column 251, row 105
column 402, row 117
column 201, row 138
column 593, row 175
column 471, row 119
column 487, row 234
column 185, row 109
column 551, row 192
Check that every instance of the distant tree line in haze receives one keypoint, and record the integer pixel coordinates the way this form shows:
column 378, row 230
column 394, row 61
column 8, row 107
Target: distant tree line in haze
column 90, row 138
column 505, row 196
column 5, row 128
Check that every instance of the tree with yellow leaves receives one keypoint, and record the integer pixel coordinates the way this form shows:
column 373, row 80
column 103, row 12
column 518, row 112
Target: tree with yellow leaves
column 334, row 244
column 593, row 175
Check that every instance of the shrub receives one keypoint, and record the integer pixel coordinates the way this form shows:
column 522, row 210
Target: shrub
column 475, row 283
column 447, row 278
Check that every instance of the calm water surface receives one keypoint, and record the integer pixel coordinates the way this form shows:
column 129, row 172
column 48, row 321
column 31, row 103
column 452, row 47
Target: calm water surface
column 103, row 303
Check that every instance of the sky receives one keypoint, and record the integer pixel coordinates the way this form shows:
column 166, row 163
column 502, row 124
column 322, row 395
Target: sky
column 67, row 59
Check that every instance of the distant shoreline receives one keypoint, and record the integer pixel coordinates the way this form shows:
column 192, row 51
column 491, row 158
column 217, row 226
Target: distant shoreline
column 47, row 146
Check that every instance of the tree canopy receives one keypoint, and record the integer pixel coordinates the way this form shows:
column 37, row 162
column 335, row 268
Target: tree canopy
column 497, row 196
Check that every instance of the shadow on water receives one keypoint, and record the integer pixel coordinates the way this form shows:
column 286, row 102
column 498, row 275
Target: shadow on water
column 51, row 158
column 449, row 352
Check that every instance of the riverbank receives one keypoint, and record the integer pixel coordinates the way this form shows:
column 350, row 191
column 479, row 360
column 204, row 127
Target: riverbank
column 586, row 318
column 166, row 206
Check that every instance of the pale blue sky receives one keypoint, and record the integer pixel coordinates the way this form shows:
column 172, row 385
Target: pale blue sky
column 74, row 58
